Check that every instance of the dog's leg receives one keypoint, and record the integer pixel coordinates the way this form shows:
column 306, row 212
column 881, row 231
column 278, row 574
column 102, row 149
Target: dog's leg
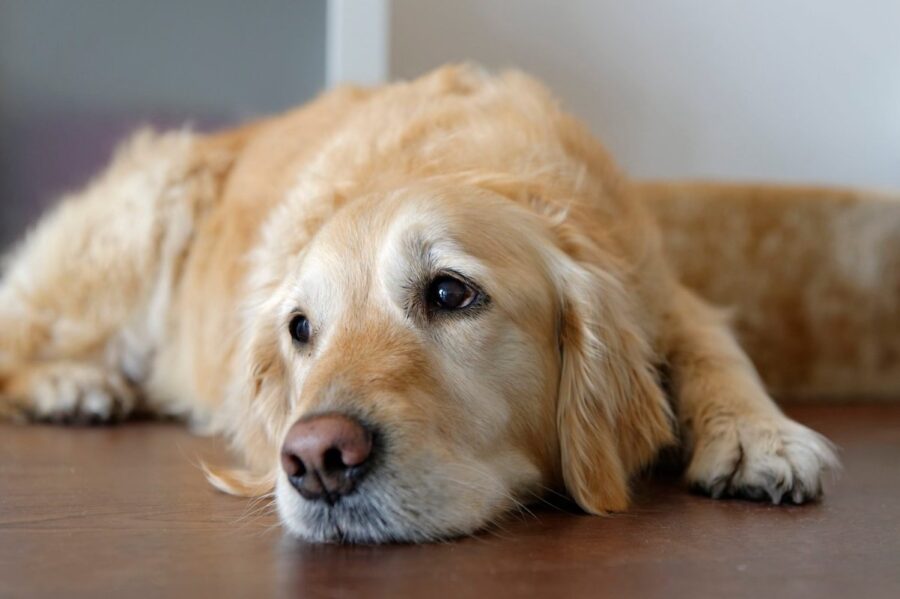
column 76, row 295
column 740, row 443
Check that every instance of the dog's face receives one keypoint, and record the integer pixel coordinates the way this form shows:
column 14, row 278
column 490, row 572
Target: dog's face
column 425, row 367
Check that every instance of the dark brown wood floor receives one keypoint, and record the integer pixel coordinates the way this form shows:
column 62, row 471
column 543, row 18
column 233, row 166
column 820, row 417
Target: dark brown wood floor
column 125, row 512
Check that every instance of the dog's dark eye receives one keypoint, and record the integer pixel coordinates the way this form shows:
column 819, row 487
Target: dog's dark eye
column 449, row 293
column 300, row 329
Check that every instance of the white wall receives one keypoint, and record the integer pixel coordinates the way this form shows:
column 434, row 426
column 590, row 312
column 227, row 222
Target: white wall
column 357, row 46
column 799, row 90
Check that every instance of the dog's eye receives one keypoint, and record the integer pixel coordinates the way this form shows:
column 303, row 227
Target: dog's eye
column 449, row 293
column 300, row 329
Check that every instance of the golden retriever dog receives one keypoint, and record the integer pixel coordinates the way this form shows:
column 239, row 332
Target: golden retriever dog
column 411, row 308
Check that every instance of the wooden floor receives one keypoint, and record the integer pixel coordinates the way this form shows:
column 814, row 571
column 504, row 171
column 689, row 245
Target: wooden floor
column 125, row 512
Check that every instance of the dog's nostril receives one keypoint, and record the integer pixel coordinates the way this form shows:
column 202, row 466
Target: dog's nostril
column 333, row 461
column 294, row 466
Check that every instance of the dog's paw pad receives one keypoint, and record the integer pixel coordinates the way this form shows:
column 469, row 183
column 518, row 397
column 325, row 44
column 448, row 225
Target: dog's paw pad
column 776, row 460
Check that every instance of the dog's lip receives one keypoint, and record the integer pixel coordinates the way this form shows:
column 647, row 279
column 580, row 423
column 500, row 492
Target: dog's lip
column 333, row 502
column 333, row 527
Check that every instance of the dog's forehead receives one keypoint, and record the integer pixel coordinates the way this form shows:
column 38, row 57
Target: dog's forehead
column 430, row 234
column 416, row 224
column 378, row 247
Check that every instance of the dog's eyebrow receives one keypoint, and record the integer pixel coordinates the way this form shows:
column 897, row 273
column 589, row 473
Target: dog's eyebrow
column 421, row 250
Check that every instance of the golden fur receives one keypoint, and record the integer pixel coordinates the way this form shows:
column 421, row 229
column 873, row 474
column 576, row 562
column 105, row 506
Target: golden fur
column 812, row 277
column 168, row 283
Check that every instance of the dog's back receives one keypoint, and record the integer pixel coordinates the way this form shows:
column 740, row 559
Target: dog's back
column 812, row 275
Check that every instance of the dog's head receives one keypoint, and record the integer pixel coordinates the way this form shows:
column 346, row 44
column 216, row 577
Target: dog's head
column 429, row 358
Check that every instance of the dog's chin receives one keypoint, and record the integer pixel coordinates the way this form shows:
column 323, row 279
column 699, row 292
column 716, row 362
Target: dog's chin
column 383, row 511
column 353, row 520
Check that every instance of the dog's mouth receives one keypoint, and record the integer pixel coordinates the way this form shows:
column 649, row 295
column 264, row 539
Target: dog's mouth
column 368, row 515
column 390, row 507
column 341, row 483
column 351, row 519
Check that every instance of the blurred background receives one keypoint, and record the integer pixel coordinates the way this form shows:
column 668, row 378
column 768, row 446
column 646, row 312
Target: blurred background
column 806, row 91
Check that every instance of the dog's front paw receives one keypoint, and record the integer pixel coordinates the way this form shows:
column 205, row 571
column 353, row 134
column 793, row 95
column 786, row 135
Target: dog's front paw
column 72, row 393
column 770, row 458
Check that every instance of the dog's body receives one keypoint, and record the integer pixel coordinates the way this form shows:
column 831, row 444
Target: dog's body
column 812, row 276
column 300, row 267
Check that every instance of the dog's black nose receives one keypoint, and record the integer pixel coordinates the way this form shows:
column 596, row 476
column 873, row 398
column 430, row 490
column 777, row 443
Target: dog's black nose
column 325, row 456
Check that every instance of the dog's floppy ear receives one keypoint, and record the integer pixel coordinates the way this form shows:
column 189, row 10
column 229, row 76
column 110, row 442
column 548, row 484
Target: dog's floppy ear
column 612, row 415
column 254, row 411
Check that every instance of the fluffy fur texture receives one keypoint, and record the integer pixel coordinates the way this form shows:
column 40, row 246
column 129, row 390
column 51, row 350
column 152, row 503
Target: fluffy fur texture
column 812, row 277
column 168, row 285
